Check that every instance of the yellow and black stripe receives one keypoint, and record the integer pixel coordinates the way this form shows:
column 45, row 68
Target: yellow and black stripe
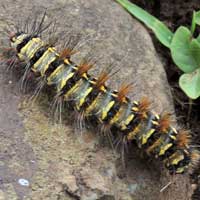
column 102, row 103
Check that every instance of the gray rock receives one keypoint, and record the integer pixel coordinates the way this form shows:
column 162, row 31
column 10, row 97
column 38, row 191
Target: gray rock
column 2, row 196
column 61, row 161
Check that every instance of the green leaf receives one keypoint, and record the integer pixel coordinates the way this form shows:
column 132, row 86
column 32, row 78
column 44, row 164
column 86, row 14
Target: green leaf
column 185, row 50
column 190, row 84
column 193, row 25
column 161, row 31
column 197, row 18
column 195, row 51
column 198, row 39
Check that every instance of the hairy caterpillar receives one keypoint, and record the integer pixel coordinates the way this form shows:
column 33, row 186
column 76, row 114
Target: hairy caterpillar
column 100, row 104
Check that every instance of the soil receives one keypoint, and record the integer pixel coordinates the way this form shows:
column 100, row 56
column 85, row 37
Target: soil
column 174, row 14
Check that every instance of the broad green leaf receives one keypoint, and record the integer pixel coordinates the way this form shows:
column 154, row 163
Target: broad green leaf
column 185, row 50
column 161, row 31
column 195, row 51
column 190, row 84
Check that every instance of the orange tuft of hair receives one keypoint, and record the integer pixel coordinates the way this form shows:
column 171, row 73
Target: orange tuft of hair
column 183, row 138
column 195, row 158
column 164, row 122
column 143, row 106
column 84, row 67
column 123, row 91
column 103, row 77
column 67, row 53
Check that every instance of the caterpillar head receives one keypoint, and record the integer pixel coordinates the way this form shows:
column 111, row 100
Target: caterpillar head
column 8, row 54
column 17, row 38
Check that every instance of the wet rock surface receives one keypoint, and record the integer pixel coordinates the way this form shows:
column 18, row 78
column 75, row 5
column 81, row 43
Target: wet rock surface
column 58, row 163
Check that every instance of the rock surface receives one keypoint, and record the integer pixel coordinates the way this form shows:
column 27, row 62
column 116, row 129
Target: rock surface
column 58, row 163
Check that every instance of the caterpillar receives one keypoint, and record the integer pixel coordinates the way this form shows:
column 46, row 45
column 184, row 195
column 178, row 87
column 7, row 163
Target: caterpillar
column 99, row 104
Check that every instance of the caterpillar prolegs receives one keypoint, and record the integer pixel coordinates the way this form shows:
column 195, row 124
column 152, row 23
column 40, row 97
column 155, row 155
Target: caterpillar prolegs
column 99, row 104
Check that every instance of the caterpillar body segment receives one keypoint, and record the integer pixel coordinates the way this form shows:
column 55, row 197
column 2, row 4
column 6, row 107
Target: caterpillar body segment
column 43, row 63
column 91, row 97
column 18, row 40
column 62, row 73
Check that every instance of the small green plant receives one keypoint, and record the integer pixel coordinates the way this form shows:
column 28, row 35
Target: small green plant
column 184, row 48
